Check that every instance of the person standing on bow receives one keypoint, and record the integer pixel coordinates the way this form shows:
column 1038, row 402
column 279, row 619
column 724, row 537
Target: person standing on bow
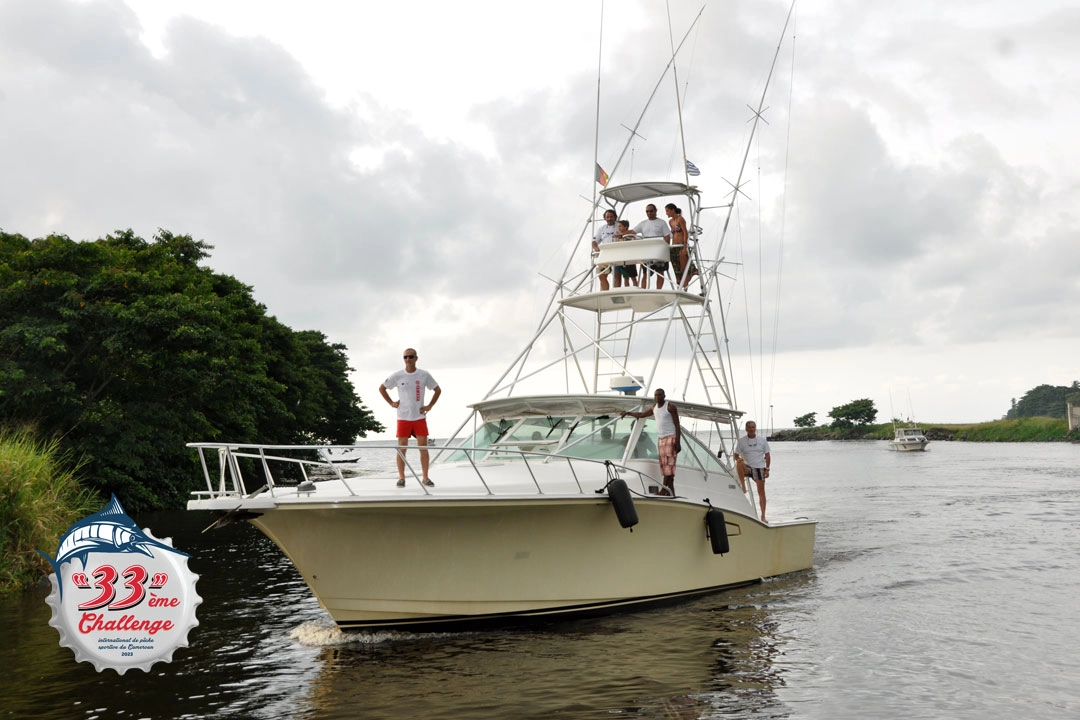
column 752, row 460
column 604, row 235
column 670, row 436
column 412, row 384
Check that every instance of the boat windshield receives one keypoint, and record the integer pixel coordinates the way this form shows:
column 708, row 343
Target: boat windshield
column 696, row 454
column 594, row 437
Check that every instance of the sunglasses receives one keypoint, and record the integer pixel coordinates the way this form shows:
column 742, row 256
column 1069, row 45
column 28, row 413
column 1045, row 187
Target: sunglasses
column 410, row 357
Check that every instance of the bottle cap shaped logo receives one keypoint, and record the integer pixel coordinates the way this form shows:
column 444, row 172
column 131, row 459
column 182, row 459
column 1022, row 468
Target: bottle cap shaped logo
column 121, row 598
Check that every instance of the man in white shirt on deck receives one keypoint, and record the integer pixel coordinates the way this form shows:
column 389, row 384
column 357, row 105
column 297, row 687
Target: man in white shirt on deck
column 411, row 384
column 752, row 459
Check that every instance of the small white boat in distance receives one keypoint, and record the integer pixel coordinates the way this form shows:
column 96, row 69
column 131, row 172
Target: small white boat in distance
column 908, row 439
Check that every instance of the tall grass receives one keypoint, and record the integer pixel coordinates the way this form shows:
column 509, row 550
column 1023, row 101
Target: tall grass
column 1030, row 429
column 39, row 500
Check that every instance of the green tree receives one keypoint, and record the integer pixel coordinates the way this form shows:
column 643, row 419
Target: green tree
column 806, row 421
column 126, row 350
column 856, row 412
column 1043, row 401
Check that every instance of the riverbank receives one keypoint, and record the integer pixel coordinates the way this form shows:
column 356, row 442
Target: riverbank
column 1037, row 429
column 40, row 498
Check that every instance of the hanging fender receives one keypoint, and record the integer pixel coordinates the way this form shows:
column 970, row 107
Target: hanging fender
column 716, row 531
column 619, row 494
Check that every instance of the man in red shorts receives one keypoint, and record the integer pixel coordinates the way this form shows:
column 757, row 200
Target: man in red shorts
column 411, row 384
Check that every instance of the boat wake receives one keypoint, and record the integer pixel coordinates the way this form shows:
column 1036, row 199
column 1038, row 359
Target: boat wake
column 326, row 634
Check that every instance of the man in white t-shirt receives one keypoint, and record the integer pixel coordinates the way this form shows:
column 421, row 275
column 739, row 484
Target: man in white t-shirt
column 412, row 384
column 653, row 226
column 752, row 459
column 605, row 234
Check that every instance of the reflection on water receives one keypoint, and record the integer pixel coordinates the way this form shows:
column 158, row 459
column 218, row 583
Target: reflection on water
column 264, row 649
column 943, row 586
column 684, row 661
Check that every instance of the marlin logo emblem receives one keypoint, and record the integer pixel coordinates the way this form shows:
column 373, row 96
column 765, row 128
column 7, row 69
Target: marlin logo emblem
column 108, row 531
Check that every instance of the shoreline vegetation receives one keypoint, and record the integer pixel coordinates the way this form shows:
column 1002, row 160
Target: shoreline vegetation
column 1027, row 429
column 40, row 498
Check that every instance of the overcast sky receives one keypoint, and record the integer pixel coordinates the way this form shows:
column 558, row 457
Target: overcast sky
column 400, row 174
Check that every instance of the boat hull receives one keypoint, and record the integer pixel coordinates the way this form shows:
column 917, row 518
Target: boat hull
column 465, row 562
column 908, row 446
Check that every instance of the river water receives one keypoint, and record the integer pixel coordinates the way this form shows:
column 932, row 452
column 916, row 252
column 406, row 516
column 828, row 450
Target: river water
column 945, row 585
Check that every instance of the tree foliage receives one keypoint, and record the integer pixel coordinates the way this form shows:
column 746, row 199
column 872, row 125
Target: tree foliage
column 806, row 421
column 1043, row 401
column 126, row 350
column 856, row 412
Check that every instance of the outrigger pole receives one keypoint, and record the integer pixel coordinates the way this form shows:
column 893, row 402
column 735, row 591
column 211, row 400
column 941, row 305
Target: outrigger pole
column 737, row 186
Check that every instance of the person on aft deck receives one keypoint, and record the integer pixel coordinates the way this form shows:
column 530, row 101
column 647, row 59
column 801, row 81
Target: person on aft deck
column 753, row 459
column 670, row 434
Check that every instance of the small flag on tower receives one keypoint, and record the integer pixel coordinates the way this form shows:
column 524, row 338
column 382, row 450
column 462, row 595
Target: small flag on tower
column 601, row 176
column 691, row 169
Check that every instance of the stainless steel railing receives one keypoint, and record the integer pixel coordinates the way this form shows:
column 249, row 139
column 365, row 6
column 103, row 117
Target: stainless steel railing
column 276, row 470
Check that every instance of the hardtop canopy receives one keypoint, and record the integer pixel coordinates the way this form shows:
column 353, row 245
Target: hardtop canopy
column 636, row 192
column 548, row 405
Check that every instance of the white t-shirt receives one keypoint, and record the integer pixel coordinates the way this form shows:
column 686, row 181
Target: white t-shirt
column 410, row 390
column 652, row 228
column 752, row 450
column 606, row 233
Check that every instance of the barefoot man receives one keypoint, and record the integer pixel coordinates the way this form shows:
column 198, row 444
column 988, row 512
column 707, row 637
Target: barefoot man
column 753, row 458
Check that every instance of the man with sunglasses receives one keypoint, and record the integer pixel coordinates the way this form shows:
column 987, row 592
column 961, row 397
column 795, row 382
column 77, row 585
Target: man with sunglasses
column 412, row 384
column 652, row 226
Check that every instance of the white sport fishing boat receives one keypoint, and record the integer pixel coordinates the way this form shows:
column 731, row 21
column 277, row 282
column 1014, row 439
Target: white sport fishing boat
column 908, row 439
column 544, row 505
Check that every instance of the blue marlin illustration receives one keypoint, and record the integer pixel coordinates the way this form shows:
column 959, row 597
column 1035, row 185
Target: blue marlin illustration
column 108, row 531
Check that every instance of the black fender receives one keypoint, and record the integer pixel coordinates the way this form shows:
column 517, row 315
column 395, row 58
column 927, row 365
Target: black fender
column 716, row 529
column 619, row 494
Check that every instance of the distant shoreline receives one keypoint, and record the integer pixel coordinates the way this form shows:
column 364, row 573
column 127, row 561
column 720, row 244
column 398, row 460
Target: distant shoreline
column 1037, row 429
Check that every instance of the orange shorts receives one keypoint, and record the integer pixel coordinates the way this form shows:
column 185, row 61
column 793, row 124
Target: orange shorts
column 412, row 428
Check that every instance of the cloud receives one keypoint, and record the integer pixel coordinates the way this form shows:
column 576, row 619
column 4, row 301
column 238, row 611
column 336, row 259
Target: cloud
column 926, row 199
column 230, row 140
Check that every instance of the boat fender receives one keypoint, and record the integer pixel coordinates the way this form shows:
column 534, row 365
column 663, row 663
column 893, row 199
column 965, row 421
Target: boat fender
column 716, row 530
column 623, row 503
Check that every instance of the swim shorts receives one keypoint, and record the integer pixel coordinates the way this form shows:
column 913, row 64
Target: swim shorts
column 667, row 455
column 412, row 428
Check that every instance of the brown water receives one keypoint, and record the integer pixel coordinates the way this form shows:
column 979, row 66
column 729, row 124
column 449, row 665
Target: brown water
column 945, row 585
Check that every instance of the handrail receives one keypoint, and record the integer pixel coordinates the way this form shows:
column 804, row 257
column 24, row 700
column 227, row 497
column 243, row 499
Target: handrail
column 230, row 473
